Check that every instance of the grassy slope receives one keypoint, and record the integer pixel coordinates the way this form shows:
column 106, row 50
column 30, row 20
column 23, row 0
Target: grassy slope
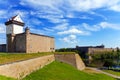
column 5, row 78
column 62, row 71
column 54, row 71
column 64, row 53
column 112, row 72
column 8, row 58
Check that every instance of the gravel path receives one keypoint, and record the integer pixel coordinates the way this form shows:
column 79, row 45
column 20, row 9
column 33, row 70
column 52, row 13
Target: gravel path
column 98, row 70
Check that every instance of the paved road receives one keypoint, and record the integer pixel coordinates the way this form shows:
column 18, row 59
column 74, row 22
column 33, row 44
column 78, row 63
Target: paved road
column 114, row 76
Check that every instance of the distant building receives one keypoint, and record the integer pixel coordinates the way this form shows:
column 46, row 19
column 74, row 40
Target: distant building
column 20, row 41
column 86, row 50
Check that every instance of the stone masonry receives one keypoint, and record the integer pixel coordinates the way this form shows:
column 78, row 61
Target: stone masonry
column 72, row 59
column 30, row 43
column 21, row 69
column 19, row 40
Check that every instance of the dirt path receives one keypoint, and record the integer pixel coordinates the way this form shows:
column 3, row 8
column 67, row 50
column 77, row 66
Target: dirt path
column 98, row 70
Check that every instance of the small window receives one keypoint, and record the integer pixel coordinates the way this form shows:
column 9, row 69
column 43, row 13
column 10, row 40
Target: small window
column 51, row 48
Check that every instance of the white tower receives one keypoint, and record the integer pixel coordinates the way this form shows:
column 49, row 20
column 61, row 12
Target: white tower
column 15, row 25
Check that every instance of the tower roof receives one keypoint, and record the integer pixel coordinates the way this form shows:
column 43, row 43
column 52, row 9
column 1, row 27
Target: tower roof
column 12, row 18
column 15, row 20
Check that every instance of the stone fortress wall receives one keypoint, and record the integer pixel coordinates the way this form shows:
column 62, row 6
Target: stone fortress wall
column 72, row 59
column 21, row 69
column 39, row 43
column 95, row 50
column 30, row 43
column 18, row 40
column 20, row 43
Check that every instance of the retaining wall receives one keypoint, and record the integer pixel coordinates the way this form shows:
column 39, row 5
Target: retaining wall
column 72, row 59
column 23, row 68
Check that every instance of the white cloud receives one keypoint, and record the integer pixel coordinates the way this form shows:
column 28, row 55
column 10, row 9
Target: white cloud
column 2, row 28
column 51, row 16
column 35, row 21
column 48, row 29
column 86, row 5
column 71, row 15
column 3, row 14
column 63, row 26
column 101, row 25
column 22, row 13
column 91, row 28
column 72, row 36
column 55, row 11
column 73, row 5
column 115, row 8
column 37, row 31
column 71, row 31
column 46, row 5
column 109, row 25
column 97, row 14
column 85, row 17
column 70, row 39
column 56, row 20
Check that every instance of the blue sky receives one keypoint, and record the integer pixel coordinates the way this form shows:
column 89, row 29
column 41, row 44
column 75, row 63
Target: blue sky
column 71, row 22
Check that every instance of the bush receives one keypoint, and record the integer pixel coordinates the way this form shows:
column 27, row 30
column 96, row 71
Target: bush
column 107, row 58
column 109, row 63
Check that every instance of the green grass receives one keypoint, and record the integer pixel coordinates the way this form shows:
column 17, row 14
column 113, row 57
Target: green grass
column 62, row 71
column 10, row 57
column 64, row 53
column 112, row 72
column 53, row 71
column 5, row 78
